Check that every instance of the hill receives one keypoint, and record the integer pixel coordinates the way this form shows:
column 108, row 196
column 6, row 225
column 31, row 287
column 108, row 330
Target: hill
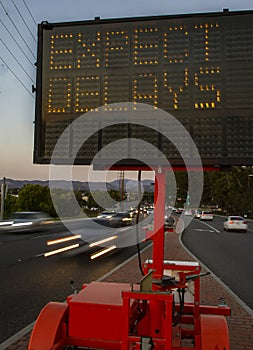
column 129, row 185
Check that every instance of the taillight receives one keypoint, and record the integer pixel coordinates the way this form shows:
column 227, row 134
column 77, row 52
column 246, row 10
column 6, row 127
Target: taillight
column 245, row 222
column 231, row 222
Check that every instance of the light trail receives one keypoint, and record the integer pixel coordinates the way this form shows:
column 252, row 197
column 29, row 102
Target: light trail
column 5, row 223
column 29, row 223
column 57, row 251
column 64, row 239
column 94, row 244
column 102, row 252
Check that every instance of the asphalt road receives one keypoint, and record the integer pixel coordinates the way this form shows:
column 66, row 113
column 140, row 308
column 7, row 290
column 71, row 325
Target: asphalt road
column 29, row 280
column 227, row 254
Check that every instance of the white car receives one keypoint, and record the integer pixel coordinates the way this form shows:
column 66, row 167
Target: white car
column 106, row 214
column 235, row 223
column 187, row 212
column 28, row 221
column 206, row 215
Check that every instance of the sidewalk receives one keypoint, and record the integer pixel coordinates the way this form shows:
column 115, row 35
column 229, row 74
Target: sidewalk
column 240, row 322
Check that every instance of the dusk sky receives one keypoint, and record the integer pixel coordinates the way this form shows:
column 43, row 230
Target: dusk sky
column 17, row 70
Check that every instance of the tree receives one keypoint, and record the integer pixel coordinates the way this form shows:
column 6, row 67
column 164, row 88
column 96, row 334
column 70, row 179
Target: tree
column 10, row 205
column 231, row 190
column 67, row 203
column 35, row 198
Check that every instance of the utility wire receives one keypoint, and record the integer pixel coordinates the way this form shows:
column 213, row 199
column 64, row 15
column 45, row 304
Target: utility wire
column 16, row 77
column 14, row 39
column 20, row 14
column 14, row 25
column 27, row 74
column 29, row 12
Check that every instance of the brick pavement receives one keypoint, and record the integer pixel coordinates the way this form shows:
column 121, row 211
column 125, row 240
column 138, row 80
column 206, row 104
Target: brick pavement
column 240, row 322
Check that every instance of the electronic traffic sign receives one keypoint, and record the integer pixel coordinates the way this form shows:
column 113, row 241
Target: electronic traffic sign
column 197, row 67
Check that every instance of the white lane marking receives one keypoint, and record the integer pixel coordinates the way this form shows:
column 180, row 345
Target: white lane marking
column 200, row 229
column 213, row 228
column 38, row 255
column 43, row 236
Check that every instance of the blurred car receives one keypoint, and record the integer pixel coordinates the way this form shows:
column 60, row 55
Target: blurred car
column 150, row 211
column 187, row 212
column 206, row 215
column 28, row 221
column 131, row 212
column 197, row 214
column 235, row 223
column 119, row 219
column 105, row 214
column 169, row 221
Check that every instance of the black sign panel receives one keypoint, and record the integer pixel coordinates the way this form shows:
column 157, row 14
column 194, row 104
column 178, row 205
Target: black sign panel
column 197, row 67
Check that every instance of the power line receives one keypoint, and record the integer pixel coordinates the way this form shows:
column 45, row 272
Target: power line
column 16, row 77
column 29, row 12
column 14, row 39
column 16, row 60
column 14, row 25
column 20, row 14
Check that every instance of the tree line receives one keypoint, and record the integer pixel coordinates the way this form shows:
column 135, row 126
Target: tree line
column 230, row 191
column 38, row 198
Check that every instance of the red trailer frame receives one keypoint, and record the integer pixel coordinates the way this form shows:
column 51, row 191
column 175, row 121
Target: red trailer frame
column 148, row 315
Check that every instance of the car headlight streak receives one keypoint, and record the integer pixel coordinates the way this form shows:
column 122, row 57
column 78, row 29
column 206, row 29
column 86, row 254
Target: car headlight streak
column 97, row 243
column 19, row 224
column 102, row 252
column 64, row 239
column 70, row 238
column 6, row 223
column 57, row 251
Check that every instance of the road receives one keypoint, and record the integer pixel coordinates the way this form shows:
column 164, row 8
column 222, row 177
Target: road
column 29, row 280
column 227, row 254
